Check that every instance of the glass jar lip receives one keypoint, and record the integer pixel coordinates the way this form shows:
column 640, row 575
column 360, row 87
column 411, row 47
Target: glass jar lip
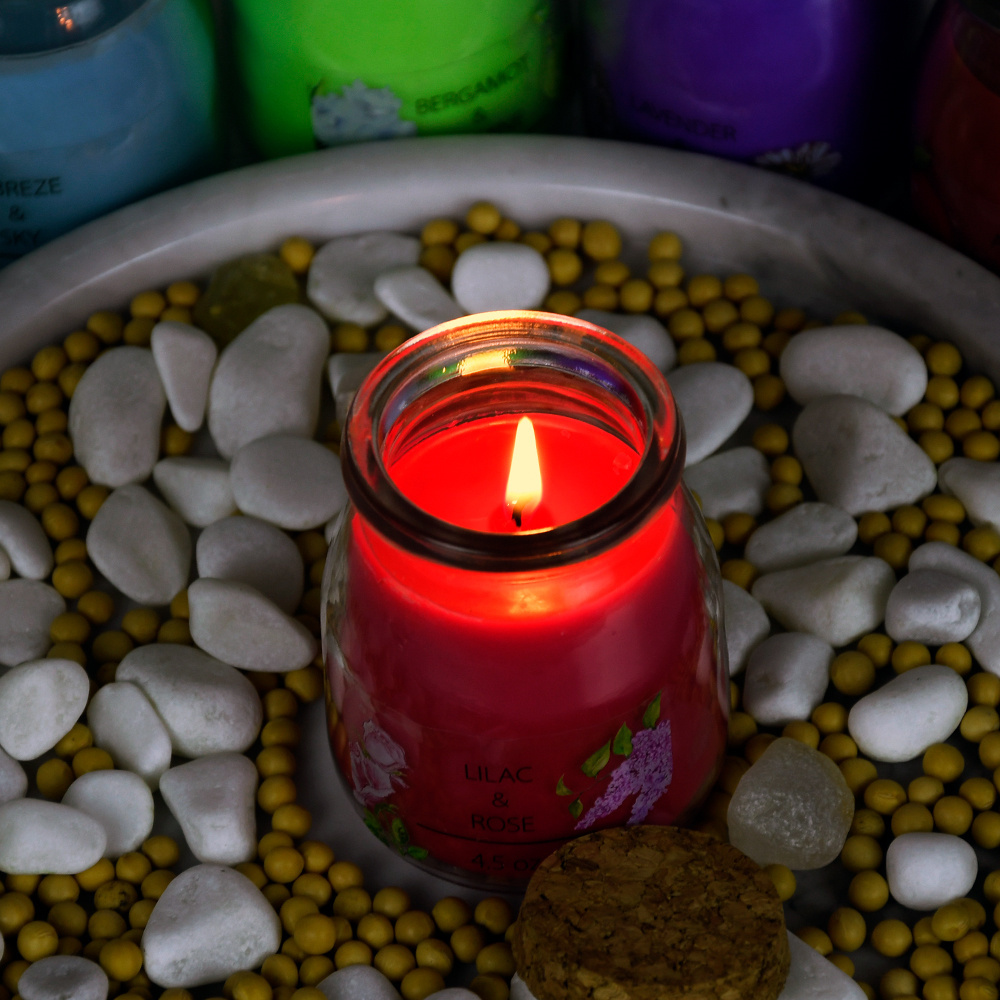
column 52, row 30
column 505, row 341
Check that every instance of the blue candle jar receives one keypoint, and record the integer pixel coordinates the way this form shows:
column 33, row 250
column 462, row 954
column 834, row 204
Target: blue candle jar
column 103, row 102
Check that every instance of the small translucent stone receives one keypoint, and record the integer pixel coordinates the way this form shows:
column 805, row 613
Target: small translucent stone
column 792, row 808
column 240, row 291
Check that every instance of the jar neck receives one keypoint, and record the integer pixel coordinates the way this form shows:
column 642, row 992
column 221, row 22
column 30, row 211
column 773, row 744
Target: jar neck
column 504, row 364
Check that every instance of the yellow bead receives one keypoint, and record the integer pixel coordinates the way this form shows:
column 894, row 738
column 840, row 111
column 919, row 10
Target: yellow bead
column 753, row 362
column 664, row 273
column 941, row 760
column 861, row 852
column 852, row 673
column 703, row 288
column 389, row 337
column 912, row 817
column 413, row 927
column 496, row 958
column 665, row 246
column 816, row 938
column 466, row 942
column 847, row 928
column 91, row 759
column 771, row 440
column 685, row 324
column 740, row 572
column 719, row 314
column 829, row 717
column 564, row 302
column 952, row 814
column 978, row 721
column 668, row 301
column 420, row 983
column 601, row 297
column 352, row 903
column 787, row 469
column 315, row 934
column 983, row 446
column 942, row 391
column 611, row 272
column 891, row 938
column 37, row 939
column 893, row 547
column 394, row 961
column 768, row 392
column 600, row 240
column 909, row 654
column 937, row 445
column 803, row 732
column 636, row 296
column 694, row 351
column 956, row 656
column 943, row 358
column 565, row 266
column 868, row 891
column 783, row 879
column 483, row 217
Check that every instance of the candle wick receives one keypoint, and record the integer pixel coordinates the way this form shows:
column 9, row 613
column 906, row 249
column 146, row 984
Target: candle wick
column 516, row 513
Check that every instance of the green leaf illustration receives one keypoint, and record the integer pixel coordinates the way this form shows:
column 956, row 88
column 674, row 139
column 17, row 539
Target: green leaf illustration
column 417, row 852
column 373, row 824
column 562, row 788
column 652, row 714
column 622, row 744
column 596, row 762
column 575, row 808
column 399, row 833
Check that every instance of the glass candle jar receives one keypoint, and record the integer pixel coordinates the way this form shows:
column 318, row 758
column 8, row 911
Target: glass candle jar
column 104, row 102
column 507, row 670
column 323, row 74
column 955, row 182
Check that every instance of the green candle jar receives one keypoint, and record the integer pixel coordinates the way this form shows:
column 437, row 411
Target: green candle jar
column 325, row 73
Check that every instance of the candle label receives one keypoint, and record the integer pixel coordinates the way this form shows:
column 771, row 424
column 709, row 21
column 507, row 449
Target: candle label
column 499, row 807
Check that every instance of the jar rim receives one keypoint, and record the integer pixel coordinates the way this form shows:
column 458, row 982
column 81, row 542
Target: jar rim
column 495, row 346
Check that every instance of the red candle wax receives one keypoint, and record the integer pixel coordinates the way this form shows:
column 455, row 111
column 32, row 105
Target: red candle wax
column 484, row 718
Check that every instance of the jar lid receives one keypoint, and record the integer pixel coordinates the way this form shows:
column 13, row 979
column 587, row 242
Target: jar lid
column 28, row 27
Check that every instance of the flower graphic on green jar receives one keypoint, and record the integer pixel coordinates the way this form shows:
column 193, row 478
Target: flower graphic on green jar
column 358, row 113
column 378, row 764
column 645, row 771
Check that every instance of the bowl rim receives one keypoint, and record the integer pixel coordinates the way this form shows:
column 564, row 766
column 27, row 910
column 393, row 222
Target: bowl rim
column 792, row 233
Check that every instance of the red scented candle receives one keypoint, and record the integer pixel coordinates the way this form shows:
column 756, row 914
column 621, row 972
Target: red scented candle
column 522, row 642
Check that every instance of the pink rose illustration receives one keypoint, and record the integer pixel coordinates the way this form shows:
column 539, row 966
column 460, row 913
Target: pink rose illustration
column 381, row 747
column 376, row 763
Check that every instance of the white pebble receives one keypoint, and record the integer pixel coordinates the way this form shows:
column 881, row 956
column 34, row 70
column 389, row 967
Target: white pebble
column 13, row 780
column 977, row 485
column 866, row 361
column 342, row 274
column 239, row 625
column 838, row 599
column 207, row 706
column 932, row 607
column 500, row 275
column 519, row 989
column 185, row 357
column 120, row 801
column 806, row 533
column 210, row 922
column 812, row 976
column 40, row 702
column 125, row 724
column 984, row 641
column 24, row 542
column 730, row 482
column 115, row 415
column 292, row 482
column 645, row 333
column 357, row 982
column 927, row 870
column 713, row 399
column 197, row 488
column 857, row 458
column 256, row 553
column 267, row 380
column 213, row 799
column 345, row 373
column 140, row 545
column 746, row 623
column 416, row 297
column 27, row 608
column 786, row 677
column 901, row 719
column 63, row 977
column 38, row 838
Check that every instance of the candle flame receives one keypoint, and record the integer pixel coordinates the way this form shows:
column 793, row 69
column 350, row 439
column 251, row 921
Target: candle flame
column 524, row 484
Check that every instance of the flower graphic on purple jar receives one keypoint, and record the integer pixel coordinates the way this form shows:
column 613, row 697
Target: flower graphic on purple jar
column 810, row 159
column 378, row 764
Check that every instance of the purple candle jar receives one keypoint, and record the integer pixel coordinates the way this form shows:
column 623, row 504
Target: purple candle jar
column 784, row 85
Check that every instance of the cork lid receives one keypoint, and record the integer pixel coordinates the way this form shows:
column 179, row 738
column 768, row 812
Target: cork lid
column 646, row 912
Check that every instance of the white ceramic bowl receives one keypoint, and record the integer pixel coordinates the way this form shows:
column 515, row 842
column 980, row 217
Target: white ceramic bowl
column 805, row 245
column 807, row 248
